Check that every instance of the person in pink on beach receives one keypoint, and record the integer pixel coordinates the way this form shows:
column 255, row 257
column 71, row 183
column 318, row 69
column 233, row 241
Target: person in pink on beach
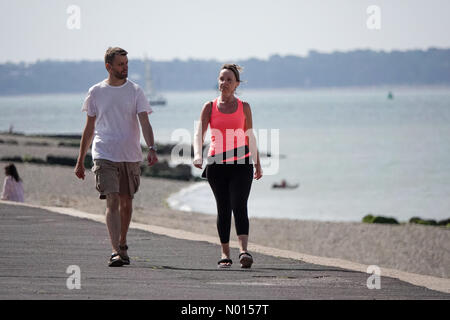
column 12, row 185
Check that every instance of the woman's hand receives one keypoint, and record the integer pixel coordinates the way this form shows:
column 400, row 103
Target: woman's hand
column 258, row 172
column 198, row 163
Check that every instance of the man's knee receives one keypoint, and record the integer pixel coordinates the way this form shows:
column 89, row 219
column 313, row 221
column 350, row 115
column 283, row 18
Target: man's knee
column 112, row 201
column 126, row 202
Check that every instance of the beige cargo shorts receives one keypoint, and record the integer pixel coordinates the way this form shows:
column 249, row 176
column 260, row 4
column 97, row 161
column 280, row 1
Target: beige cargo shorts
column 116, row 177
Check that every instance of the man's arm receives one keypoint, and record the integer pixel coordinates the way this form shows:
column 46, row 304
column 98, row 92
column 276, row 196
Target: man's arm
column 86, row 140
column 147, row 132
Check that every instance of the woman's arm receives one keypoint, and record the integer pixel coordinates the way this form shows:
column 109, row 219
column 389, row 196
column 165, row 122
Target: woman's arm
column 6, row 192
column 199, row 136
column 252, row 140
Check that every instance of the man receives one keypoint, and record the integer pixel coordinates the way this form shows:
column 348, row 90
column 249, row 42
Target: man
column 113, row 108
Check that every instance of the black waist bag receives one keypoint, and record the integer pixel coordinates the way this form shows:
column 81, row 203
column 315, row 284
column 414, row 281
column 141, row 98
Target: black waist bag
column 219, row 158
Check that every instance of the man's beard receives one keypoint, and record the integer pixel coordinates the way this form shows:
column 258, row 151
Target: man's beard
column 120, row 75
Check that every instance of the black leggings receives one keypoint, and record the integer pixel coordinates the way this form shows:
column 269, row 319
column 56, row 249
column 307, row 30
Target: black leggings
column 231, row 184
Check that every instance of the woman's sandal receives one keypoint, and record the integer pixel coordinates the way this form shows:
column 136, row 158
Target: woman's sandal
column 224, row 264
column 246, row 260
column 125, row 258
column 115, row 260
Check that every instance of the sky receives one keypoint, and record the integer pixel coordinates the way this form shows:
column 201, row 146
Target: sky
column 226, row 30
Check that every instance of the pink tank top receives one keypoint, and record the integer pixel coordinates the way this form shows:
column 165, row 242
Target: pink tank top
column 228, row 133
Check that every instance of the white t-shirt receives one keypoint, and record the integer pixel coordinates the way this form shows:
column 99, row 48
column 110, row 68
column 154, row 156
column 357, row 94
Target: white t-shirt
column 117, row 132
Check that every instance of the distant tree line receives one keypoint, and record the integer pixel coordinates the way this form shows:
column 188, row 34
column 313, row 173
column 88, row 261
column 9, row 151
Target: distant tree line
column 337, row 69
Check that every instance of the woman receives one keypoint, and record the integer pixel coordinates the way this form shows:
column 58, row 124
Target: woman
column 12, row 185
column 229, row 170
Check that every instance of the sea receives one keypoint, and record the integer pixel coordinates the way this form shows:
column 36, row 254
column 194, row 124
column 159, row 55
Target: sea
column 350, row 151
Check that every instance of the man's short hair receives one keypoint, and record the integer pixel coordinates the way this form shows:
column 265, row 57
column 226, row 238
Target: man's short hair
column 112, row 52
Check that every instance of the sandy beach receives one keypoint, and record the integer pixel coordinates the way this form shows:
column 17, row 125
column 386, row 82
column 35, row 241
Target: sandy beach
column 411, row 248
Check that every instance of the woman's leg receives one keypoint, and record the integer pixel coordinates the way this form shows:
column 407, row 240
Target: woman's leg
column 240, row 186
column 218, row 180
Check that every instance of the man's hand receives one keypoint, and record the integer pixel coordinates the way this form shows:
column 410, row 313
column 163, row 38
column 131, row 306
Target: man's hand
column 79, row 170
column 151, row 157
column 86, row 140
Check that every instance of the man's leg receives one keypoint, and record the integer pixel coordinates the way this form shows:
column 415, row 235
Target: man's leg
column 126, row 209
column 129, row 184
column 113, row 219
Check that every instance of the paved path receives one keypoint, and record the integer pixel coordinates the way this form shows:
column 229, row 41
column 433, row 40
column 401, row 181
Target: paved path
column 37, row 247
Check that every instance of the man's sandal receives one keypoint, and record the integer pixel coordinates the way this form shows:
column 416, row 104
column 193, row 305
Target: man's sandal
column 246, row 260
column 115, row 260
column 125, row 258
column 224, row 264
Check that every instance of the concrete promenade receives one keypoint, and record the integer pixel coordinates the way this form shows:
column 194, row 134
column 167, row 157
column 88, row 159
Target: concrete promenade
column 44, row 252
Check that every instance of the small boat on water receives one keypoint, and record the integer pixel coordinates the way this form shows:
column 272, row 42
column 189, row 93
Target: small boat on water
column 157, row 100
column 284, row 185
column 390, row 96
column 277, row 186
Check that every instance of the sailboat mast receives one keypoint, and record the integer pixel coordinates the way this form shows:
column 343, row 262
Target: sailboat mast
column 148, row 79
column 151, row 95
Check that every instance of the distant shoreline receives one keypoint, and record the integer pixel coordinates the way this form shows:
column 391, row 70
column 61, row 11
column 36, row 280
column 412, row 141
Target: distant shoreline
column 363, row 67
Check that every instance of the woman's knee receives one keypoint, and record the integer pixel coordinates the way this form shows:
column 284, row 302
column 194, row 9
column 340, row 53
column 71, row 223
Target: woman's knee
column 241, row 221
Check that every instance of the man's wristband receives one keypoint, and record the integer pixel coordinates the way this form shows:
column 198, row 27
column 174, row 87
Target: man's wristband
column 153, row 148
